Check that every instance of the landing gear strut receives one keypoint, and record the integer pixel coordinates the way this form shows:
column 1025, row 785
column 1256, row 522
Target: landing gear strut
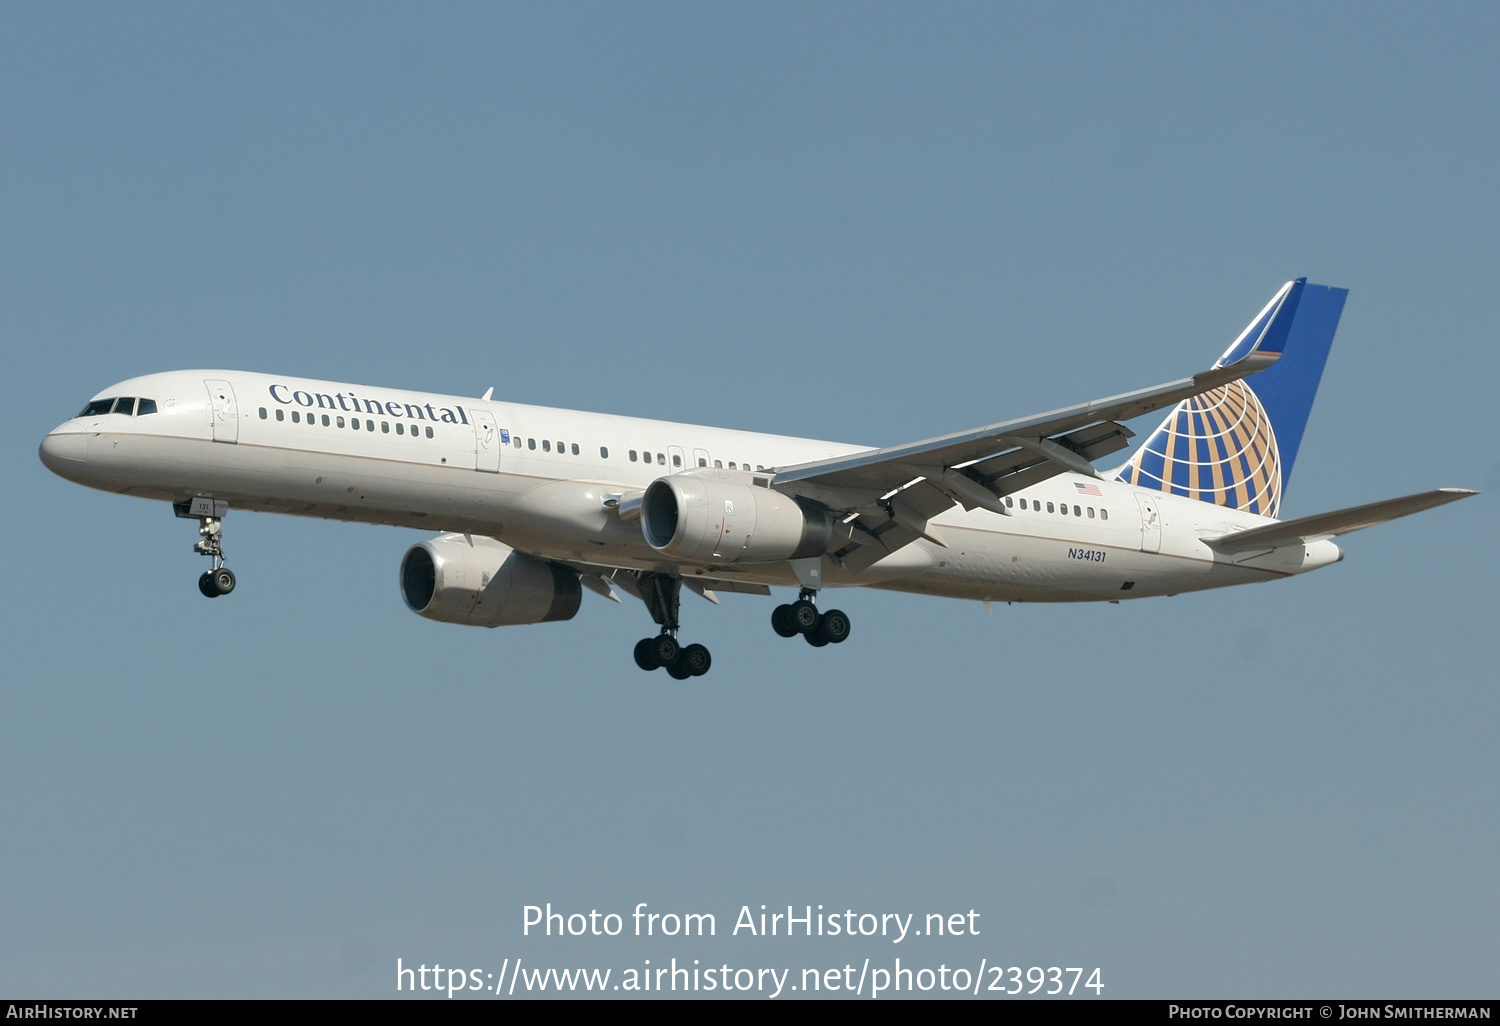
column 802, row 617
column 661, row 593
column 210, row 516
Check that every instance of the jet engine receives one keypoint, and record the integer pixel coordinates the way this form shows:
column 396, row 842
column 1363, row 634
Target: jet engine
column 484, row 583
column 708, row 519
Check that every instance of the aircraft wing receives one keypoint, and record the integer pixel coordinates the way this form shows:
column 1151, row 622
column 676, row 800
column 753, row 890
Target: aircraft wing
column 1331, row 525
column 888, row 495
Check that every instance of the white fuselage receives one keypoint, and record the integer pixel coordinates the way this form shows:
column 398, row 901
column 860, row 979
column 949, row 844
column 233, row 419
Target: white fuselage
column 539, row 480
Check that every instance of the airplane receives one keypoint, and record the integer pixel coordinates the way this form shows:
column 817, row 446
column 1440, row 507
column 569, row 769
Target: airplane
column 533, row 505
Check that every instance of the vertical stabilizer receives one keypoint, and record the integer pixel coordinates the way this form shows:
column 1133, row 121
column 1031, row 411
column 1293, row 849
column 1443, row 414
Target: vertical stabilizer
column 1235, row 445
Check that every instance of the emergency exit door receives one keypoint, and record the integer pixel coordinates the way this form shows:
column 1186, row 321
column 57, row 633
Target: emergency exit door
column 486, row 442
column 223, row 411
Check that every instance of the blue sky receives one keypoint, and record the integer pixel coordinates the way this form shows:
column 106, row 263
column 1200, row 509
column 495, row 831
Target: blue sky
column 870, row 223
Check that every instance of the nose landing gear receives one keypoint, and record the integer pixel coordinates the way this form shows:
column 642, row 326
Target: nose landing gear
column 210, row 516
column 802, row 617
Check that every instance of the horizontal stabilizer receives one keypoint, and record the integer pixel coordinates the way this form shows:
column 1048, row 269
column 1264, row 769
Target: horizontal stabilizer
column 1331, row 525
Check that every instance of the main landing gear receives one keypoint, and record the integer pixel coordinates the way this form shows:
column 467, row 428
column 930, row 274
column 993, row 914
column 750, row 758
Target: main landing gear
column 802, row 617
column 661, row 593
column 210, row 516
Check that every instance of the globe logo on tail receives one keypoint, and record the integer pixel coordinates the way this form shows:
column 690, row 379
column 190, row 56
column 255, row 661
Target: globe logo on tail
column 1216, row 447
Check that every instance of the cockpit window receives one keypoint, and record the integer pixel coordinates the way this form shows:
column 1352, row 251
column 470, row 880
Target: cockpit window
column 127, row 405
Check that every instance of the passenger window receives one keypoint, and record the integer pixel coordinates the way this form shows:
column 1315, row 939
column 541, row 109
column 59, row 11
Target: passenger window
column 125, row 405
column 561, row 448
column 546, row 445
column 325, row 420
column 575, row 448
column 1077, row 512
column 296, row 417
column 661, row 459
column 1023, row 503
column 97, row 407
column 676, row 460
column 1104, row 514
column 262, row 413
column 732, row 466
column 340, row 421
column 632, row 455
column 353, row 422
column 603, row 453
column 146, row 406
column 702, row 462
column 280, row 414
column 718, row 465
column 399, row 429
column 1049, row 508
column 1009, row 502
column 369, row 425
column 1091, row 512
column 385, row 427
column 429, row 435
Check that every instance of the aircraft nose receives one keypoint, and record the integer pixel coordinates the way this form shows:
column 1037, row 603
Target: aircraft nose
column 65, row 452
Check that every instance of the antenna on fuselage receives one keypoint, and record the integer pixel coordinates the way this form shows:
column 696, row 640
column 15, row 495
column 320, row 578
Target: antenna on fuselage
column 487, row 393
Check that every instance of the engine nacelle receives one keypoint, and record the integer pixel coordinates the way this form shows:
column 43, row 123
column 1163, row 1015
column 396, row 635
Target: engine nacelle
column 485, row 583
column 710, row 519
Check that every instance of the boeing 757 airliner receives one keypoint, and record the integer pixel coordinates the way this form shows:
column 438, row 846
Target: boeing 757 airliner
column 533, row 505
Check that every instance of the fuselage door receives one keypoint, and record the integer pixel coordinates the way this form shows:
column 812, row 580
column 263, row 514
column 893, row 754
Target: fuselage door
column 676, row 459
column 223, row 411
column 486, row 442
column 1150, row 522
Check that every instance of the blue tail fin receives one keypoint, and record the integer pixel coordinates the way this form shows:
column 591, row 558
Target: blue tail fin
column 1235, row 445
